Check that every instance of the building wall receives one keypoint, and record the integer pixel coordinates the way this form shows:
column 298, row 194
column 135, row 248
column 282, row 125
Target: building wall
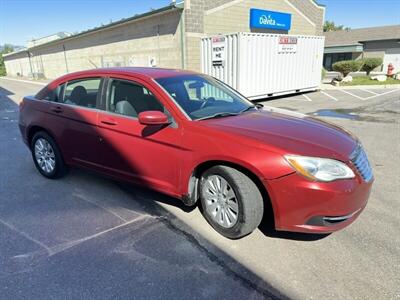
column 207, row 17
column 305, row 9
column 380, row 45
column 357, row 55
column 153, row 40
column 156, row 40
column 384, row 50
column 18, row 65
column 236, row 17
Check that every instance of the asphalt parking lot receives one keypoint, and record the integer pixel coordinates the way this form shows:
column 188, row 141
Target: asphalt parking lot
column 89, row 237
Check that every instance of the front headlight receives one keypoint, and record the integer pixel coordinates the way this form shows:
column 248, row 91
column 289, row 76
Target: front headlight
column 319, row 169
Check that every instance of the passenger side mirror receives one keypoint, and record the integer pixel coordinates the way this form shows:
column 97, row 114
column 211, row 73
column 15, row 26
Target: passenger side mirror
column 153, row 117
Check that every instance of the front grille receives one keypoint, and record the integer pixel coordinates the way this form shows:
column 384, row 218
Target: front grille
column 360, row 160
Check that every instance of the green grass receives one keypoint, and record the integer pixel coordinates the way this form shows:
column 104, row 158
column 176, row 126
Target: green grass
column 365, row 80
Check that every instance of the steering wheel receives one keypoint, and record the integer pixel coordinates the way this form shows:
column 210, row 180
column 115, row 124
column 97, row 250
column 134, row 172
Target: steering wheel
column 206, row 101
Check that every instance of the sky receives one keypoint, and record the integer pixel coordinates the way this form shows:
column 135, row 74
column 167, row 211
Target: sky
column 22, row 20
column 362, row 13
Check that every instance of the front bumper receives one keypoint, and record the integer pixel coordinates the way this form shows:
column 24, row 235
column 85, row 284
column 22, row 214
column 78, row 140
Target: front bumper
column 302, row 205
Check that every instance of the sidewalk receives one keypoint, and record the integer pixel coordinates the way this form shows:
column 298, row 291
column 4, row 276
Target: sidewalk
column 326, row 86
column 27, row 80
column 323, row 86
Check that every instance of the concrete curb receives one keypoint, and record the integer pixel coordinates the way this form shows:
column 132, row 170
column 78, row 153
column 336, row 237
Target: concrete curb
column 26, row 80
column 358, row 87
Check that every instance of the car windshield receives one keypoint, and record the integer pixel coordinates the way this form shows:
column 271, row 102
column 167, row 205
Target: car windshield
column 204, row 97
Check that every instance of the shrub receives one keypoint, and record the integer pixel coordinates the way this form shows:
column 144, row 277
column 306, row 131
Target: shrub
column 323, row 73
column 347, row 66
column 2, row 67
column 371, row 63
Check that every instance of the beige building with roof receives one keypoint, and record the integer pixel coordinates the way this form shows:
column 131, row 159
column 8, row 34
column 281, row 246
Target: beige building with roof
column 166, row 37
column 360, row 43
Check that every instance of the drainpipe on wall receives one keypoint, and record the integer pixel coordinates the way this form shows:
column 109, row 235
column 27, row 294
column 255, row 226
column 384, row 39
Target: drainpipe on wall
column 30, row 62
column 182, row 40
column 158, row 45
column 65, row 59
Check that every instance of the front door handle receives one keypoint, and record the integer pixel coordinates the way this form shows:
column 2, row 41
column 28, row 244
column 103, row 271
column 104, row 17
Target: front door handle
column 109, row 122
column 56, row 109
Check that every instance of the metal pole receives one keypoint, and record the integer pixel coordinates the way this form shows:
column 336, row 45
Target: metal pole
column 182, row 32
column 30, row 62
column 158, row 45
column 65, row 59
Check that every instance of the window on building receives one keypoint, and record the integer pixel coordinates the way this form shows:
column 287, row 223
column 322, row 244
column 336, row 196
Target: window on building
column 331, row 58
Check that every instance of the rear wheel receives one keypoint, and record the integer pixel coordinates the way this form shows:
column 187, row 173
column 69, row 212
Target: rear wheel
column 231, row 201
column 46, row 156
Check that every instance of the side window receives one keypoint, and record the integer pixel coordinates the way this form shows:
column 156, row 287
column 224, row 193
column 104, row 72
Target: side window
column 82, row 92
column 49, row 94
column 130, row 99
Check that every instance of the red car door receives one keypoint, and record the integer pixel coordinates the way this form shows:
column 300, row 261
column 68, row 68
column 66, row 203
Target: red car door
column 148, row 155
column 78, row 109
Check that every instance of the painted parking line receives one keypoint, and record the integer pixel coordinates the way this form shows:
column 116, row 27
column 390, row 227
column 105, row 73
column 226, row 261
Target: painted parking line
column 354, row 95
column 362, row 93
column 368, row 91
column 381, row 90
column 307, row 98
column 388, row 92
column 329, row 96
column 369, row 97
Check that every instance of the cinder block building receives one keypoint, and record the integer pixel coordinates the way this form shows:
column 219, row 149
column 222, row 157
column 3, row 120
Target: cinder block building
column 383, row 42
column 165, row 37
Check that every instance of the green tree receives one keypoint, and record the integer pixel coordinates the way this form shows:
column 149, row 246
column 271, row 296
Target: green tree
column 347, row 66
column 331, row 26
column 369, row 64
column 5, row 49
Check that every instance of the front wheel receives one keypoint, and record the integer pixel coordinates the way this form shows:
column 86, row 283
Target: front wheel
column 231, row 201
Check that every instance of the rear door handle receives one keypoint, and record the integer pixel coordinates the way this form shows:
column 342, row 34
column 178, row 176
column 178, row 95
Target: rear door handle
column 109, row 122
column 56, row 109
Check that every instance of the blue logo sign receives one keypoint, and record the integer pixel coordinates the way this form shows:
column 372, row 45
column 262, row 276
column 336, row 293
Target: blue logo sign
column 269, row 19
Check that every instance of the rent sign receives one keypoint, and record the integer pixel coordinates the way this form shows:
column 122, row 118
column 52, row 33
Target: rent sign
column 218, row 50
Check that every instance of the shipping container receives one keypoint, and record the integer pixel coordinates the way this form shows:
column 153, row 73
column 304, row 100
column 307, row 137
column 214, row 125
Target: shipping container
column 261, row 65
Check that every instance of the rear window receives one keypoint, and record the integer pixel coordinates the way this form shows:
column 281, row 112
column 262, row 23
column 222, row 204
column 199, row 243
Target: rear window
column 49, row 94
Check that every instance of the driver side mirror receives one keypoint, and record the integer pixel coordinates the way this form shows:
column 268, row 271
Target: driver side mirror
column 153, row 117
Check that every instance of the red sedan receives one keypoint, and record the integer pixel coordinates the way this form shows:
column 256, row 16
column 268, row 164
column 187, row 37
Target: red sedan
column 193, row 137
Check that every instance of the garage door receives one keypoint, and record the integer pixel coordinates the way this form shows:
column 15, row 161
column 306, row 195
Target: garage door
column 392, row 56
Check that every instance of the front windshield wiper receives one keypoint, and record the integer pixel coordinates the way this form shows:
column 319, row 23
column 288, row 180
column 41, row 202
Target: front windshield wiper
column 219, row 115
column 247, row 108
column 258, row 106
column 226, row 114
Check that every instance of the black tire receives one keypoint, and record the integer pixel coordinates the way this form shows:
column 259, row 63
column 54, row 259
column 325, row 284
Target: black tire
column 60, row 168
column 249, row 200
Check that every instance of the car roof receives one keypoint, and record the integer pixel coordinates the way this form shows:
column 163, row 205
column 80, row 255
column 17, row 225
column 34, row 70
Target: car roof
column 135, row 71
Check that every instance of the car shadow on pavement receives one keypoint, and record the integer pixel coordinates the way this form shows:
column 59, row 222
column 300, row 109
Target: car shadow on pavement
column 72, row 223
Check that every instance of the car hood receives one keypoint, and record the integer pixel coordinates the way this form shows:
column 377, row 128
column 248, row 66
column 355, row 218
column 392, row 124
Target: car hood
column 288, row 132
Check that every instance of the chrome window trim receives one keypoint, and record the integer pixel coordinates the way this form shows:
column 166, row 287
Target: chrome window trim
column 72, row 105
